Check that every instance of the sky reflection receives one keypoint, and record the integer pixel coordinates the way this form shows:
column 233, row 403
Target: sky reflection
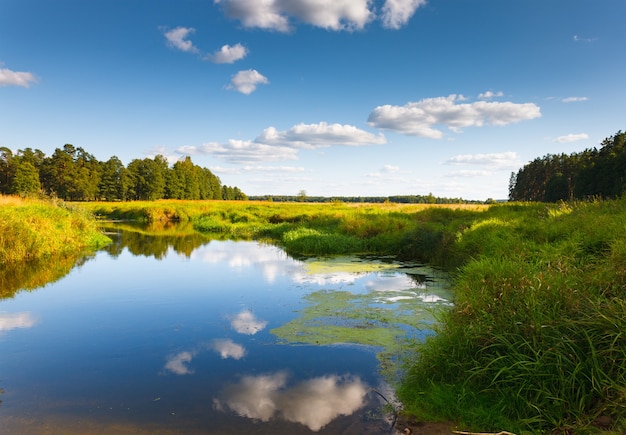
column 9, row 321
column 246, row 322
column 313, row 403
column 228, row 349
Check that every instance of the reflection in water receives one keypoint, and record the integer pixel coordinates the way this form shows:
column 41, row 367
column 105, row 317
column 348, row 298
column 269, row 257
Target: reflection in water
column 31, row 275
column 9, row 321
column 246, row 323
column 313, row 403
column 153, row 240
column 140, row 312
column 177, row 364
column 228, row 349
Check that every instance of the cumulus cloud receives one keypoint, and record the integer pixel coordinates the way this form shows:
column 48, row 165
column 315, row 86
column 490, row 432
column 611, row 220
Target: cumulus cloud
column 177, row 38
column 247, row 81
column 574, row 99
column 246, row 322
column 571, row 138
column 396, row 13
column 494, row 161
column 420, row 118
column 310, row 136
column 239, row 151
column 490, row 94
column 313, row 403
column 16, row 78
column 228, row 54
column 228, row 349
column 337, row 15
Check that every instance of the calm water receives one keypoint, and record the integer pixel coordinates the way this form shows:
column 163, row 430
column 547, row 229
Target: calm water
column 182, row 335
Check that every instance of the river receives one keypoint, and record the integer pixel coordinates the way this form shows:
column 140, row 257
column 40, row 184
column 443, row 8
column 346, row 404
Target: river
column 182, row 334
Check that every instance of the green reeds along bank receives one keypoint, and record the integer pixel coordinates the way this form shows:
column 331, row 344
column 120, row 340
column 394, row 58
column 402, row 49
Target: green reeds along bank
column 32, row 229
column 536, row 342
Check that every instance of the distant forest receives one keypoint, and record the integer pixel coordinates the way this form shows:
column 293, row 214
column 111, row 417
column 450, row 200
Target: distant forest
column 592, row 173
column 73, row 174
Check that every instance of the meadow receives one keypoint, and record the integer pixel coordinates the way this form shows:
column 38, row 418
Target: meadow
column 536, row 340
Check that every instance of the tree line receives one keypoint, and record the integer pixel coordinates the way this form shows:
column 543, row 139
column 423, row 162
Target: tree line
column 592, row 173
column 72, row 174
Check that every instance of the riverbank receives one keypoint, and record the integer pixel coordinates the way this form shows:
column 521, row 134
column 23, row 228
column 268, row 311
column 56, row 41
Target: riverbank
column 32, row 230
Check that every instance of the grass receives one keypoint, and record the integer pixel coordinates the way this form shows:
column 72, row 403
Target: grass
column 32, row 229
column 536, row 341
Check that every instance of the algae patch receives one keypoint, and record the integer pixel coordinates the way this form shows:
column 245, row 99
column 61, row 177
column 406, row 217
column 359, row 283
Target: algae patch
column 387, row 303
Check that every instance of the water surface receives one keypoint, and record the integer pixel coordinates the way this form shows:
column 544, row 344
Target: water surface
column 179, row 334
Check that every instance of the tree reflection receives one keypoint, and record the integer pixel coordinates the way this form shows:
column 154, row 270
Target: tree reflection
column 35, row 274
column 153, row 240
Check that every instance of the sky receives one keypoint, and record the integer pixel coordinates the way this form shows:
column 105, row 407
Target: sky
column 329, row 97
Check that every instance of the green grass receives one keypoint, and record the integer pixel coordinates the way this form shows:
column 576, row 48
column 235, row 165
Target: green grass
column 33, row 229
column 537, row 337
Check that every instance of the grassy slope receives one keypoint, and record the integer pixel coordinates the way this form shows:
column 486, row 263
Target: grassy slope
column 33, row 229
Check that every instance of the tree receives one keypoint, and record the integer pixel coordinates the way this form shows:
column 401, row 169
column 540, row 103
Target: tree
column 7, row 170
column 26, row 181
column 114, row 180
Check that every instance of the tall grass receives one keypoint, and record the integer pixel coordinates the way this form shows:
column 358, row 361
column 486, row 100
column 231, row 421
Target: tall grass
column 32, row 229
column 537, row 338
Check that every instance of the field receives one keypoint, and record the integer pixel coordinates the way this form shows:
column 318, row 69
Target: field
column 536, row 341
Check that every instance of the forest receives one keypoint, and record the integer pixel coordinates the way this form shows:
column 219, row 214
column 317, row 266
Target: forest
column 72, row 174
column 591, row 174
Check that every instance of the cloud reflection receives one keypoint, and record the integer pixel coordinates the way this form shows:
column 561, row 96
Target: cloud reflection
column 177, row 364
column 9, row 321
column 246, row 323
column 228, row 349
column 313, row 403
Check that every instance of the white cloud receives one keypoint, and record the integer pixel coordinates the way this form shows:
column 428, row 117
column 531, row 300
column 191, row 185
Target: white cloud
column 238, row 151
column 16, row 78
column 313, row 403
column 419, row 118
column 247, row 81
column 246, row 322
column 390, row 168
column 396, row 13
column 574, row 99
column 493, row 161
column 490, row 94
column 470, row 173
column 311, row 136
column 177, row 38
column 177, row 364
column 253, row 13
column 228, row 349
column 9, row 321
column 336, row 15
column 273, row 169
column 571, row 138
column 228, row 54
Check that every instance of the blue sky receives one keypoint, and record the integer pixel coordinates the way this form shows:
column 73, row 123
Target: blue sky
column 333, row 97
